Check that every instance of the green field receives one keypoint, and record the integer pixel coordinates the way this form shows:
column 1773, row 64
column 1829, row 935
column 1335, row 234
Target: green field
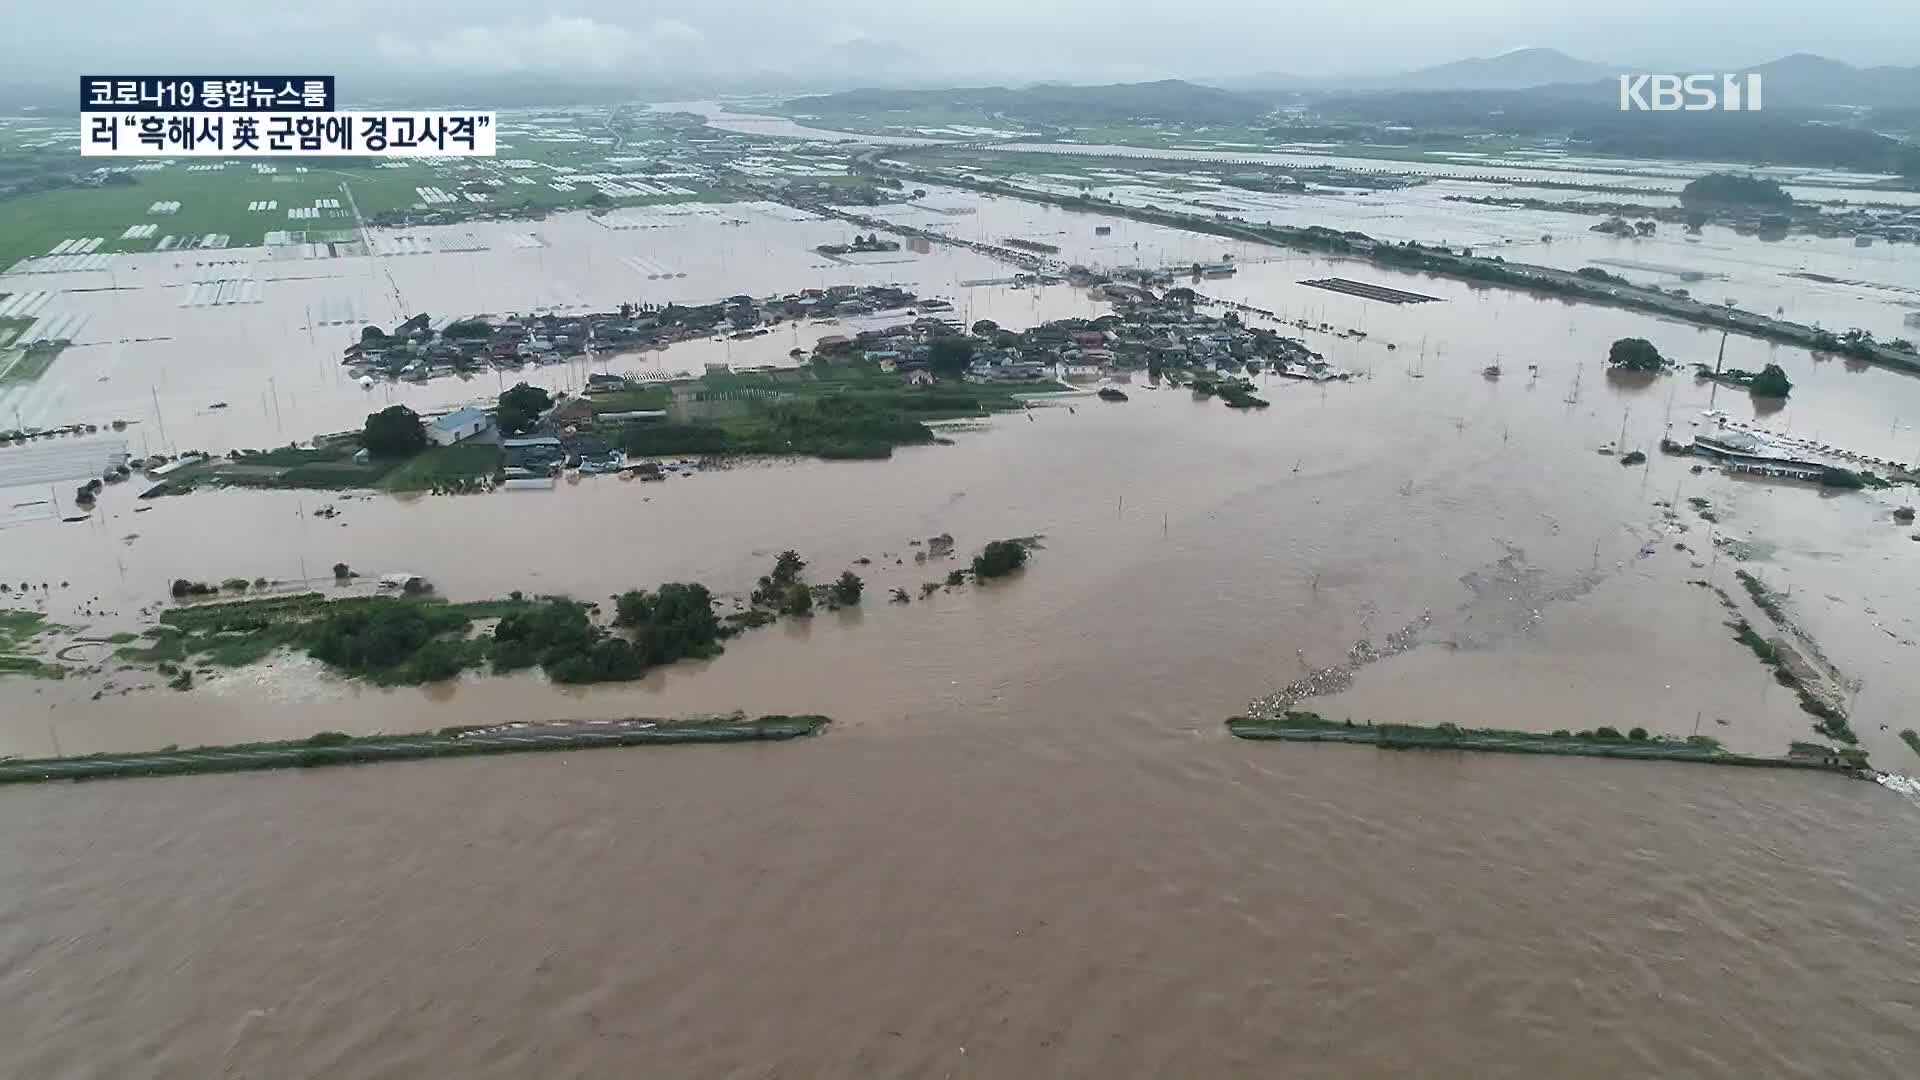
column 32, row 222
column 436, row 468
column 17, row 630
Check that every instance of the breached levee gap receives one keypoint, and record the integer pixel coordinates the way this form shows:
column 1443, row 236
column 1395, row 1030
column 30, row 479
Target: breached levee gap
column 334, row 748
column 1297, row 726
column 1339, row 677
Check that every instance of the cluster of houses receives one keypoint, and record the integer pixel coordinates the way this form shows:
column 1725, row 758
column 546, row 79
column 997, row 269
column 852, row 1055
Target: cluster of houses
column 420, row 349
column 1146, row 331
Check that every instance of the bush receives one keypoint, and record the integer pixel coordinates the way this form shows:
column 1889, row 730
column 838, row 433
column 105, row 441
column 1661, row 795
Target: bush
column 341, row 571
column 1638, row 734
column 1606, row 733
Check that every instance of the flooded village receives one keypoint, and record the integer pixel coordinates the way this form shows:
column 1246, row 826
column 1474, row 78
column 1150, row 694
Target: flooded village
column 985, row 366
column 1162, row 555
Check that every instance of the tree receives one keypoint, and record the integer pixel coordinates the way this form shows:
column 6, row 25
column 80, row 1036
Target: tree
column 846, row 591
column 1636, row 354
column 341, row 571
column 521, row 406
column 393, row 432
column 950, row 355
column 986, row 327
column 1771, row 382
column 1000, row 558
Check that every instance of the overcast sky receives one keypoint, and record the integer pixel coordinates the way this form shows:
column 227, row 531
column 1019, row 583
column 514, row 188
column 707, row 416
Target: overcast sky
column 977, row 41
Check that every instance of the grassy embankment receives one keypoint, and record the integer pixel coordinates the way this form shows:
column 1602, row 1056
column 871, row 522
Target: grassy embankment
column 1300, row 726
column 849, row 410
column 837, row 411
column 334, row 748
column 436, row 468
column 17, row 630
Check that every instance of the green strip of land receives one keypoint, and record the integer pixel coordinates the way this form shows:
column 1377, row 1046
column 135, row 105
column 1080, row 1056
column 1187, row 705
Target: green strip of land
column 1297, row 726
column 333, row 748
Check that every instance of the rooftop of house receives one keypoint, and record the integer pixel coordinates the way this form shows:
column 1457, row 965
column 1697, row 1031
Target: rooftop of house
column 460, row 418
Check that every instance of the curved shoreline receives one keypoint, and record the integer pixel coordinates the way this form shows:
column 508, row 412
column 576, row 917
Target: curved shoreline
column 330, row 748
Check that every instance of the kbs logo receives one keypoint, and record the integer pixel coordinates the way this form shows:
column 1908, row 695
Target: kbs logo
column 1689, row 93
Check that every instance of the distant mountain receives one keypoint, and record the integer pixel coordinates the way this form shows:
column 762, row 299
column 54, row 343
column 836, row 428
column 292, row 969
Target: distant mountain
column 1516, row 70
column 1055, row 104
column 1806, row 80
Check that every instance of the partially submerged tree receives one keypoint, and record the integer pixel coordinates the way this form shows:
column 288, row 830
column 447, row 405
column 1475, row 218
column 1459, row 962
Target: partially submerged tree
column 1771, row 382
column 1636, row 354
column 846, row 591
column 395, row 431
column 1000, row 558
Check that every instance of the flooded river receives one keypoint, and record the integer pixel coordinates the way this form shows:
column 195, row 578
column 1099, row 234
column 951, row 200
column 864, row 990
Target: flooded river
column 1028, row 847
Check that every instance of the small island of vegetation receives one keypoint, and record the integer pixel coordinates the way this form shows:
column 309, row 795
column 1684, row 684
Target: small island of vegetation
column 1769, row 382
column 1735, row 188
column 1636, row 354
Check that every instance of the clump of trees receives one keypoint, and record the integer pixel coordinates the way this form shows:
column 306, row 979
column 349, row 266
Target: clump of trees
column 520, row 407
column 392, row 641
column 672, row 623
column 1000, row 558
column 1771, row 382
column 1735, row 188
column 950, row 354
column 782, row 590
column 1635, row 354
column 394, row 432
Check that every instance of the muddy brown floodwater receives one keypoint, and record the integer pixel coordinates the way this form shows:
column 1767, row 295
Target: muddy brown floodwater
column 1028, row 848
